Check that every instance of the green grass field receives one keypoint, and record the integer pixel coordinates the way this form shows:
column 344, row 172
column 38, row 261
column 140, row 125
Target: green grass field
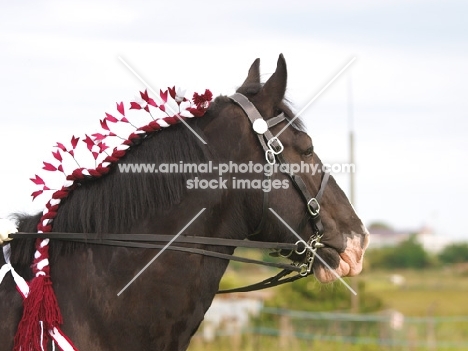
column 436, row 292
column 425, row 294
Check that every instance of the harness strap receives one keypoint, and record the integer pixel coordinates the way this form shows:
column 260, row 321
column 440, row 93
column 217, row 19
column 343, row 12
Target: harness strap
column 144, row 241
column 93, row 238
column 265, row 284
column 323, row 184
column 264, row 212
column 147, row 241
column 273, row 151
column 261, row 127
column 255, row 117
column 285, row 266
column 273, row 121
column 247, row 106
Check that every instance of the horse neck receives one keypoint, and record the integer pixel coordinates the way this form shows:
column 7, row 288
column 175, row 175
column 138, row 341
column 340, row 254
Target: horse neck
column 216, row 214
column 173, row 284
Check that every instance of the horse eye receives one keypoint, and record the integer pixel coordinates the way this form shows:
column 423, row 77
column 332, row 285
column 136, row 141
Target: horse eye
column 309, row 152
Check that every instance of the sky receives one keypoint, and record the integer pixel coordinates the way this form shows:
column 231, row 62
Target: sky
column 61, row 68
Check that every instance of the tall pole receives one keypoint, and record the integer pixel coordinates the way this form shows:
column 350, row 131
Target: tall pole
column 351, row 139
column 354, row 282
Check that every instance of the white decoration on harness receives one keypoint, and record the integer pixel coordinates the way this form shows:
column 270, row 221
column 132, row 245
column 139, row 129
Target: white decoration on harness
column 6, row 227
column 260, row 126
column 7, row 267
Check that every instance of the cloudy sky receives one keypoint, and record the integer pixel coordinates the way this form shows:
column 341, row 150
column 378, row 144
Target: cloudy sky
column 61, row 69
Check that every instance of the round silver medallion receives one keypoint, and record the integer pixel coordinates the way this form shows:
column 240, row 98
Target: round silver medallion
column 260, row 126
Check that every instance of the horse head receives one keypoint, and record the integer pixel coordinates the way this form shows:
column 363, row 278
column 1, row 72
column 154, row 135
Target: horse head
column 286, row 208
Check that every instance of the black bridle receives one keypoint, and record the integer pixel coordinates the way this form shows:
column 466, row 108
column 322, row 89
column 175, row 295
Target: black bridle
column 273, row 153
column 273, row 149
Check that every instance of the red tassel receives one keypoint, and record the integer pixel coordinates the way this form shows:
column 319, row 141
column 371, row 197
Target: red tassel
column 40, row 305
column 41, row 311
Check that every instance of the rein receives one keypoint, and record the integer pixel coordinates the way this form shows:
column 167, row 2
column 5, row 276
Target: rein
column 150, row 241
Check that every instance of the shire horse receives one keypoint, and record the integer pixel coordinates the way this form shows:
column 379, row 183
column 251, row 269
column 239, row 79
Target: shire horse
column 164, row 306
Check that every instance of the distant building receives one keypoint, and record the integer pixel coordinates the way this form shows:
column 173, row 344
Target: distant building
column 430, row 241
column 388, row 237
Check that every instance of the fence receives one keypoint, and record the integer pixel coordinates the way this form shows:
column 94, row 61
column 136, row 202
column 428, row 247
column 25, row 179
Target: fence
column 388, row 330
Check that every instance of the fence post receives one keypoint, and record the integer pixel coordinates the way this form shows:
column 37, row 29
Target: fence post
column 285, row 331
column 236, row 336
column 431, row 338
column 287, row 339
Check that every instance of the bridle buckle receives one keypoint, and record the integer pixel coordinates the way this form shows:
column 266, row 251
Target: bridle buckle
column 270, row 157
column 276, row 149
column 314, row 207
column 311, row 247
column 273, row 149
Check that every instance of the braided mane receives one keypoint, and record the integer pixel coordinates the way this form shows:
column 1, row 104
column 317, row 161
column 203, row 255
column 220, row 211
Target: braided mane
column 100, row 207
column 112, row 203
column 97, row 147
column 106, row 204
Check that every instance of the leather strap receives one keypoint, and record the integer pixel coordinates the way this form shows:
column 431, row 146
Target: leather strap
column 253, row 115
column 288, row 267
column 249, row 108
column 152, row 238
column 273, row 121
column 323, row 184
column 265, row 284
column 260, row 225
column 273, row 151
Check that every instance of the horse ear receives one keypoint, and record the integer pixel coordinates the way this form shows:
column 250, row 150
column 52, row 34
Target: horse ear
column 253, row 78
column 275, row 87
